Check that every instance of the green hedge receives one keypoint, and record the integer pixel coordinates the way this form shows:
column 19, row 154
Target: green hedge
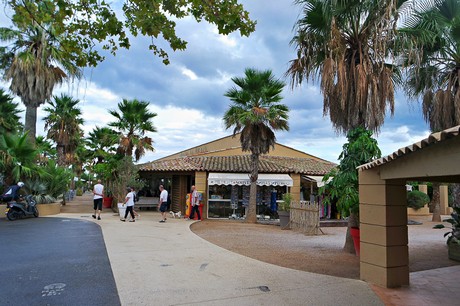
column 417, row 199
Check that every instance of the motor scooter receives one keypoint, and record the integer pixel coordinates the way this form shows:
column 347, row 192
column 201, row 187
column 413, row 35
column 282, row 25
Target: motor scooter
column 25, row 207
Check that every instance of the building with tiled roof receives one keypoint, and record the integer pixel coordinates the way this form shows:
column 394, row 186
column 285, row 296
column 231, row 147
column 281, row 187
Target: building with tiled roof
column 220, row 171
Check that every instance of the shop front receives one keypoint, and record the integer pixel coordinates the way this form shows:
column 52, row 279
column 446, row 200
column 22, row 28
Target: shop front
column 228, row 194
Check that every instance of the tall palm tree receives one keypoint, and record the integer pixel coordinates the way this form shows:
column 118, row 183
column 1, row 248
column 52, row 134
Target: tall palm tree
column 101, row 142
column 35, row 63
column 346, row 44
column 432, row 39
column 134, row 120
column 434, row 71
column 256, row 113
column 63, row 123
column 9, row 114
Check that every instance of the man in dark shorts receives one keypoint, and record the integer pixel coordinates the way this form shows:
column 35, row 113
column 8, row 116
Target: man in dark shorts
column 163, row 203
column 98, row 192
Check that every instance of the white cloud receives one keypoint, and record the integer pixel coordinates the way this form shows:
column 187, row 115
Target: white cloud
column 189, row 73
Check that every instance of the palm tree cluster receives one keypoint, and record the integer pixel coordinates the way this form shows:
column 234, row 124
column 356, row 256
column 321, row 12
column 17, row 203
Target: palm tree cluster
column 34, row 64
column 53, row 161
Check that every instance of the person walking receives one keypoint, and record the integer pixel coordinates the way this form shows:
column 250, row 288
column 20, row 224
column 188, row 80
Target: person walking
column 98, row 192
column 163, row 203
column 195, row 204
column 129, row 202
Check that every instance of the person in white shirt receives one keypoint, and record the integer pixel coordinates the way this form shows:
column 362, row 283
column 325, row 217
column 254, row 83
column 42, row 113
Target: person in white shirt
column 129, row 202
column 98, row 192
column 163, row 203
column 195, row 204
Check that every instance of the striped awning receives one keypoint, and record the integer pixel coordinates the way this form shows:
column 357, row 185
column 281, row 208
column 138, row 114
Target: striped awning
column 242, row 179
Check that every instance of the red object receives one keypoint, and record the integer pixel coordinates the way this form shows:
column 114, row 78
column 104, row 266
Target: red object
column 107, row 202
column 354, row 231
column 200, row 208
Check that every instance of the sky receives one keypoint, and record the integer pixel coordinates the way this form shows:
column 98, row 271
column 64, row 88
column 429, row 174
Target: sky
column 188, row 94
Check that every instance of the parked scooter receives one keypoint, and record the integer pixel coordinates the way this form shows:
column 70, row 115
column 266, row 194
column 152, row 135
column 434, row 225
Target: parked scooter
column 25, row 207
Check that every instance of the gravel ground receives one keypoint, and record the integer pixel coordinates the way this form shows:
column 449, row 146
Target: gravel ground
column 322, row 253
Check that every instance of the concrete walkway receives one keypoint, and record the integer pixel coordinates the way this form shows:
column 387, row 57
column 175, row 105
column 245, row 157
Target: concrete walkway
column 167, row 264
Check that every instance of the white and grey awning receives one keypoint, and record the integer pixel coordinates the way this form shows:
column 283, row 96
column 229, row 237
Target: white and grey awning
column 317, row 179
column 242, row 179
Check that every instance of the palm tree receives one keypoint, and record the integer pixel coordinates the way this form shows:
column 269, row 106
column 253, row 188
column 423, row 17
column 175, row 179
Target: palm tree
column 434, row 73
column 17, row 157
column 256, row 113
column 101, row 142
column 34, row 63
column 63, row 124
column 432, row 40
column 45, row 149
column 9, row 114
column 346, row 44
column 134, row 120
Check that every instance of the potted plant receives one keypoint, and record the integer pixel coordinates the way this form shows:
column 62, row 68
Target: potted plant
column 453, row 239
column 284, row 210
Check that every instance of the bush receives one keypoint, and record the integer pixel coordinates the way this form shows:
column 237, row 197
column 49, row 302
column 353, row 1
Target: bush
column 79, row 192
column 417, row 199
column 285, row 205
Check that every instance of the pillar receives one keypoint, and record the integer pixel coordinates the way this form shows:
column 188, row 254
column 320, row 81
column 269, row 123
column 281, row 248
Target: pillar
column 384, row 258
column 295, row 189
column 444, row 199
column 423, row 188
column 201, row 185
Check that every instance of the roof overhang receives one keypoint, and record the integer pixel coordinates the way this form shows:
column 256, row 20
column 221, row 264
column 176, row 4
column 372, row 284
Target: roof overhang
column 242, row 179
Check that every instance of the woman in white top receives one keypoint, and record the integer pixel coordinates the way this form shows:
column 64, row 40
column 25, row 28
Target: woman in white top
column 129, row 201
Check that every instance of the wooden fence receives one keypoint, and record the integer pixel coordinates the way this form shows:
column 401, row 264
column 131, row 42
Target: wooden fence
column 304, row 217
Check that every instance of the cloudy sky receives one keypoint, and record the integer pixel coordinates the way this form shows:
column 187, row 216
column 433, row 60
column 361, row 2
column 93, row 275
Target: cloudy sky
column 188, row 94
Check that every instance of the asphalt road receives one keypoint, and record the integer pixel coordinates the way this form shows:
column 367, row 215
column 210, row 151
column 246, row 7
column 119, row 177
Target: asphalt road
column 54, row 261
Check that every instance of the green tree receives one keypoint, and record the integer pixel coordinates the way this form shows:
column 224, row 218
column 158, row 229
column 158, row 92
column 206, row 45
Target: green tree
column 9, row 114
column 34, row 63
column 109, row 25
column 432, row 42
column 17, row 157
column 133, row 121
column 62, row 122
column 45, row 149
column 256, row 112
column 360, row 149
column 101, row 143
column 346, row 45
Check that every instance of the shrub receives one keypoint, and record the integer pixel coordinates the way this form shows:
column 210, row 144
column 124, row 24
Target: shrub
column 417, row 199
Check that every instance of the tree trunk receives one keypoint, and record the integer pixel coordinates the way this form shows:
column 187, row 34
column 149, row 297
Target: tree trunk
column 60, row 155
column 251, row 216
column 31, row 122
column 349, row 245
column 435, row 203
column 456, row 195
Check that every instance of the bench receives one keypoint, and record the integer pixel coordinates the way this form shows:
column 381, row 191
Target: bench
column 147, row 202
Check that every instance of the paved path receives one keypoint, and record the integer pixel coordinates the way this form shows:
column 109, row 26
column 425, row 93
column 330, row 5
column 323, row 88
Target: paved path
column 167, row 264
column 55, row 261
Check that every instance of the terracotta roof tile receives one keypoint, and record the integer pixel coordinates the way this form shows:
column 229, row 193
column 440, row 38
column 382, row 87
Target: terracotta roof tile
column 241, row 163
